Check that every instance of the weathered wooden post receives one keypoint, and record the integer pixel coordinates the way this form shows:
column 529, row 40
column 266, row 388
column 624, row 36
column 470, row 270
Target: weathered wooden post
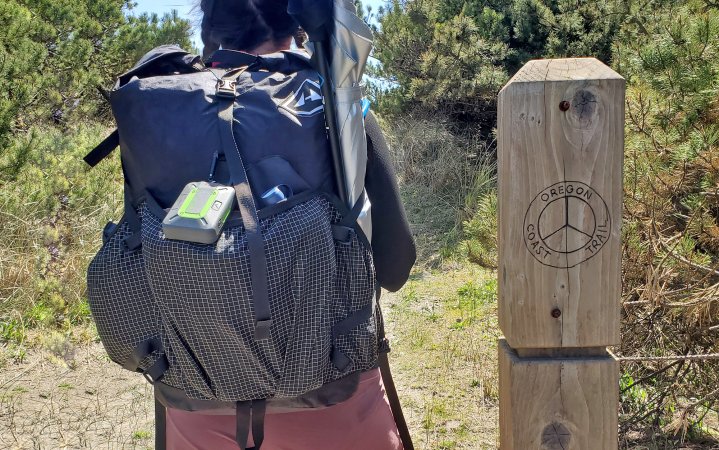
column 561, row 137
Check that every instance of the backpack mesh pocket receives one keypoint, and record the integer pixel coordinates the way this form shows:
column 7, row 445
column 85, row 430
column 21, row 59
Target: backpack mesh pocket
column 205, row 294
column 120, row 298
column 354, row 292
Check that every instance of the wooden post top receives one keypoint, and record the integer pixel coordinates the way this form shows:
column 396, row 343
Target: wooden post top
column 567, row 69
column 560, row 156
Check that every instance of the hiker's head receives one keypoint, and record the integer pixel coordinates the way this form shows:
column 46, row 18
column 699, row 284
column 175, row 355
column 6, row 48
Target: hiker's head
column 255, row 26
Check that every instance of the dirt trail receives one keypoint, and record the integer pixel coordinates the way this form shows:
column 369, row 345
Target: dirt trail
column 84, row 401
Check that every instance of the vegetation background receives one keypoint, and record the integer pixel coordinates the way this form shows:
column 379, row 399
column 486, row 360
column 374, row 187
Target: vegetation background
column 439, row 66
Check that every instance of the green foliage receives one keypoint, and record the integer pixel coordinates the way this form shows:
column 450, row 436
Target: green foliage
column 480, row 230
column 53, row 208
column 671, row 234
column 452, row 57
column 442, row 63
column 55, row 59
column 56, row 54
column 11, row 331
column 472, row 298
column 141, row 434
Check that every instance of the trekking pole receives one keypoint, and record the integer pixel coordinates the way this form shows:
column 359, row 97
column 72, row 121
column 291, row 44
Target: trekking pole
column 315, row 17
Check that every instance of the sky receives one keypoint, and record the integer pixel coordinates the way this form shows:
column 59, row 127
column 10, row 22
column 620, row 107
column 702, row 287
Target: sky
column 185, row 8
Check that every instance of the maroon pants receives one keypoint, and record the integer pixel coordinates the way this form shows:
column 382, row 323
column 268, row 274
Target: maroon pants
column 362, row 422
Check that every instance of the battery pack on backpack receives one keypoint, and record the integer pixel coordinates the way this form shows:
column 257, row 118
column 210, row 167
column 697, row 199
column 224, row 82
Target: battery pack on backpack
column 199, row 213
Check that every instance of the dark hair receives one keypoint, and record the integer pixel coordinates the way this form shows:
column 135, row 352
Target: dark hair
column 244, row 24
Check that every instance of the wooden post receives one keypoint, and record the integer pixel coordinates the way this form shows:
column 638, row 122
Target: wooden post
column 561, row 138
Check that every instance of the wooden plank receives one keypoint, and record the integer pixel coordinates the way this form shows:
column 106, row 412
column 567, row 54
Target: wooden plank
column 560, row 204
column 557, row 404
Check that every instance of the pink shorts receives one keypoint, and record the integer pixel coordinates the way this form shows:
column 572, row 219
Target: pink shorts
column 364, row 421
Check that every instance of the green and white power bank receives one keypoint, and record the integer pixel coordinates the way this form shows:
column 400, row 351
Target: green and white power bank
column 199, row 213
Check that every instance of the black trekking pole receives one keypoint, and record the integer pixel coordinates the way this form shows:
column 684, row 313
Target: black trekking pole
column 316, row 19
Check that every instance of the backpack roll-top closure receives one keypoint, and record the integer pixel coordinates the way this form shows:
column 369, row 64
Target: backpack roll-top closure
column 277, row 114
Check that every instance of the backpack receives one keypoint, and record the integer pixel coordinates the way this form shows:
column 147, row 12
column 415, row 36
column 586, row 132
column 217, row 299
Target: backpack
column 280, row 310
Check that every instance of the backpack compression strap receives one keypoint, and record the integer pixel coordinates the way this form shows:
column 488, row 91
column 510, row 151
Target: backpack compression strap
column 103, row 149
column 250, row 413
column 226, row 95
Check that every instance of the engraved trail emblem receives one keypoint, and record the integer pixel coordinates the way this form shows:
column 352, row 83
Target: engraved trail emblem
column 566, row 224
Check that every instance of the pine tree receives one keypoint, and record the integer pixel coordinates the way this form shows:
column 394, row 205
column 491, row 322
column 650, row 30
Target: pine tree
column 670, row 57
column 451, row 57
column 55, row 54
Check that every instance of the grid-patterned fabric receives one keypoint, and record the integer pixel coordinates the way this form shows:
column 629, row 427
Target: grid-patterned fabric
column 120, row 298
column 354, row 290
column 204, row 295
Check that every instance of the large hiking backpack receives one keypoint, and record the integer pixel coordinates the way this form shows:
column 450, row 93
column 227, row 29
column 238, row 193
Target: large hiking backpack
column 280, row 310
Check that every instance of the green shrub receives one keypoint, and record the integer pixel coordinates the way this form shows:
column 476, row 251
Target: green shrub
column 56, row 54
column 52, row 210
column 450, row 58
column 671, row 220
column 480, row 230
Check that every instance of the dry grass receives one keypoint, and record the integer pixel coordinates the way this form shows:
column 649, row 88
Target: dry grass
column 52, row 211
column 443, row 330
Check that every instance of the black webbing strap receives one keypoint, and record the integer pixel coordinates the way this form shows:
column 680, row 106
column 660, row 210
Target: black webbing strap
column 394, row 403
column 133, row 241
column 160, row 426
column 342, row 234
column 343, row 327
column 142, row 351
column 250, row 413
column 350, row 219
column 345, row 228
column 157, row 369
column 243, row 417
column 388, row 381
column 103, row 149
column 258, row 261
column 259, row 407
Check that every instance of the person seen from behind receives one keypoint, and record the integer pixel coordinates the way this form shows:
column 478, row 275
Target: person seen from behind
column 364, row 421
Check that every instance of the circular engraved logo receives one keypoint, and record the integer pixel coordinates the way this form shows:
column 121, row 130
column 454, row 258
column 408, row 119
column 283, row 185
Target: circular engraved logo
column 566, row 224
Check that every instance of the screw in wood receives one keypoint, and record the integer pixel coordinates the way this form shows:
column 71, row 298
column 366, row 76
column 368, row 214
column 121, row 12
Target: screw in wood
column 564, row 105
column 556, row 312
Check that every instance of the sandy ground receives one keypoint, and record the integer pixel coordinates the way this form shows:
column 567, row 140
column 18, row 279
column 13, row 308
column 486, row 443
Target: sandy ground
column 82, row 401
column 78, row 399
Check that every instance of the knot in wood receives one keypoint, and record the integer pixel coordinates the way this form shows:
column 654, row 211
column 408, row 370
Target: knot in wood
column 564, row 105
column 556, row 313
column 556, row 436
column 584, row 107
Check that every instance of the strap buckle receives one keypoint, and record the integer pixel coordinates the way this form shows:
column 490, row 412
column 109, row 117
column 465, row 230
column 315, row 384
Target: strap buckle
column 383, row 346
column 226, row 88
column 262, row 329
